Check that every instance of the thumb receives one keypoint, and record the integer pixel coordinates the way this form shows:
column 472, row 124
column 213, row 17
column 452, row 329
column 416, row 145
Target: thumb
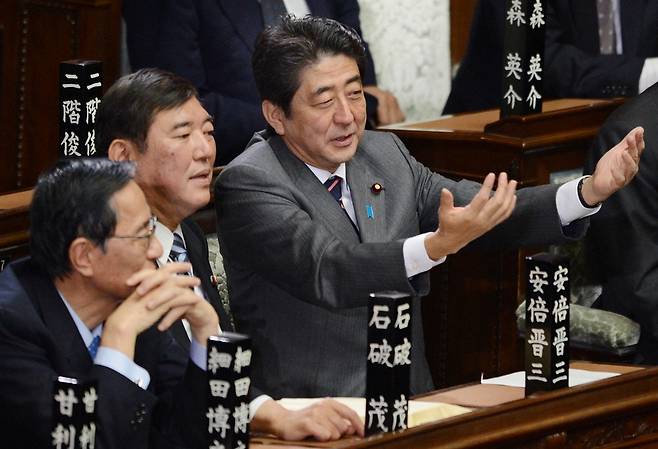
column 447, row 200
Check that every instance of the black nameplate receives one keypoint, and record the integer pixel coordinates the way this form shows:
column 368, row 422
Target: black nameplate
column 547, row 323
column 388, row 362
column 523, row 57
column 229, row 361
column 74, row 414
column 80, row 92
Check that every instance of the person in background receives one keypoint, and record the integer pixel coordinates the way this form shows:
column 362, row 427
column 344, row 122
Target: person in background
column 210, row 42
column 594, row 49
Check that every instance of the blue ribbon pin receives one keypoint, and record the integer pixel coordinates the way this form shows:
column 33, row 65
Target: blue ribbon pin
column 370, row 211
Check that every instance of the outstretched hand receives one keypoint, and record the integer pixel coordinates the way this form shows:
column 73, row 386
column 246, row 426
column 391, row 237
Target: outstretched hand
column 459, row 226
column 615, row 169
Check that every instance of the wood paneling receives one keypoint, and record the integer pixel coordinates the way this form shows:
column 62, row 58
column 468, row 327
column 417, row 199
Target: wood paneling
column 36, row 35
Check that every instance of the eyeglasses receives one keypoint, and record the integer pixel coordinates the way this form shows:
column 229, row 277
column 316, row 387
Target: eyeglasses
column 150, row 230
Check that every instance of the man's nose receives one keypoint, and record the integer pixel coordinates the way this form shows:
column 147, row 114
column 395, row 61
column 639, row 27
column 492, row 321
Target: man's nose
column 343, row 113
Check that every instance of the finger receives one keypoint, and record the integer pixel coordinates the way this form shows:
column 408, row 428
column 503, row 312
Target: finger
column 178, row 267
column 482, row 197
column 171, row 316
column 383, row 113
column 507, row 206
column 350, row 416
column 140, row 276
column 635, row 141
column 167, row 273
column 446, row 202
column 631, row 144
column 316, row 430
column 338, row 425
column 184, row 283
column 639, row 140
column 391, row 107
column 399, row 115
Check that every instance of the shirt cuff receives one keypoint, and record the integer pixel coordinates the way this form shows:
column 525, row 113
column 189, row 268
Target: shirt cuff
column 415, row 255
column 255, row 404
column 198, row 354
column 117, row 361
column 649, row 74
column 568, row 205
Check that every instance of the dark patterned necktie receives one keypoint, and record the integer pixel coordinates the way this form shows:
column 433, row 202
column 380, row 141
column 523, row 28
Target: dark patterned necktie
column 333, row 185
column 93, row 346
column 178, row 252
column 272, row 11
column 607, row 38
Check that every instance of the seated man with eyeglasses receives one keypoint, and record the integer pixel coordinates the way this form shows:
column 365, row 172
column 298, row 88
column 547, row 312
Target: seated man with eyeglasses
column 92, row 274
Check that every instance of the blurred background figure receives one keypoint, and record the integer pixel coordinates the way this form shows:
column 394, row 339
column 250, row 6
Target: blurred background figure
column 210, row 42
column 594, row 49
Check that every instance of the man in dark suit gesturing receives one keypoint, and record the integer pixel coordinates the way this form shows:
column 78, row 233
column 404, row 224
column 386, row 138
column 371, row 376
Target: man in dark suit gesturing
column 318, row 213
column 92, row 275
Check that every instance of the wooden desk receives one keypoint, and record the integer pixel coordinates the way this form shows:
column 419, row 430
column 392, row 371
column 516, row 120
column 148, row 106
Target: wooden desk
column 469, row 315
column 14, row 225
column 621, row 412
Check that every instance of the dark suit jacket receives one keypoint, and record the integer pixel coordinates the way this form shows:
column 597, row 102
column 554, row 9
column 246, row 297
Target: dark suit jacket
column 39, row 341
column 623, row 239
column 299, row 275
column 477, row 84
column 197, row 250
column 210, row 42
column 574, row 66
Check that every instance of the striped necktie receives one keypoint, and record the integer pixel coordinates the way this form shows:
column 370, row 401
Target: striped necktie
column 178, row 251
column 333, row 185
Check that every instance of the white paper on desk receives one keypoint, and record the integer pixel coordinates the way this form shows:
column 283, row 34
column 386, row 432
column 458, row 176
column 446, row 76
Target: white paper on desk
column 576, row 377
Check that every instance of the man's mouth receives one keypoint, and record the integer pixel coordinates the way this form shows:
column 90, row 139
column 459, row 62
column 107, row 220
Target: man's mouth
column 202, row 175
column 344, row 140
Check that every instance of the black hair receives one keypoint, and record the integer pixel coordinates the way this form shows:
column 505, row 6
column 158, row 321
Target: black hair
column 72, row 200
column 284, row 50
column 131, row 103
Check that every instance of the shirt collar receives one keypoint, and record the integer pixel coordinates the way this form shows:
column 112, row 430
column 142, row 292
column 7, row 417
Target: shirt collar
column 86, row 334
column 166, row 238
column 323, row 174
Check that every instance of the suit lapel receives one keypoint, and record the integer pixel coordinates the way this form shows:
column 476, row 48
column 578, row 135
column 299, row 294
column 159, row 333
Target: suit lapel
column 369, row 206
column 58, row 320
column 246, row 17
column 322, row 201
column 198, row 255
